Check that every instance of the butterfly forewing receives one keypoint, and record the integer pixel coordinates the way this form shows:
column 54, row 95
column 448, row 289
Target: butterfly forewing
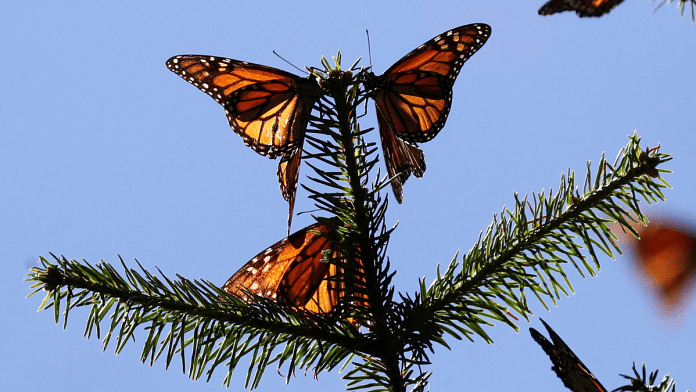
column 416, row 92
column 263, row 104
column 219, row 77
column 446, row 53
column 568, row 367
column 266, row 273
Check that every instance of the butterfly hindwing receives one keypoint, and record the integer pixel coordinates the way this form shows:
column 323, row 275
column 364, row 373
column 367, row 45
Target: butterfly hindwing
column 568, row 367
column 270, row 116
column 402, row 158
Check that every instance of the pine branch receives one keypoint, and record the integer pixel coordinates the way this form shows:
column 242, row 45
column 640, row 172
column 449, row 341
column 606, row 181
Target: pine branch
column 642, row 383
column 521, row 251
column 217, row 327
column 681, row 5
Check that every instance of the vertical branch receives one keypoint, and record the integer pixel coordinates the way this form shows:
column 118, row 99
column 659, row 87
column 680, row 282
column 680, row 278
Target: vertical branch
column 338, row 87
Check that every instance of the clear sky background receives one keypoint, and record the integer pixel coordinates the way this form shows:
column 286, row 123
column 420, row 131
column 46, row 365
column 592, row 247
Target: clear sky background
column 105, row 152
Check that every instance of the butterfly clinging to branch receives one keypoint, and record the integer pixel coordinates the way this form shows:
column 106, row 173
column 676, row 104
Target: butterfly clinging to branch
column 269, row 108
column 414, row 96
column 297, row 272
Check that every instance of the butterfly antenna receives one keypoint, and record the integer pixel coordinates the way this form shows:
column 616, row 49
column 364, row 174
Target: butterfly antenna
column 369, row 49
column 308, row 212
column 293, row 65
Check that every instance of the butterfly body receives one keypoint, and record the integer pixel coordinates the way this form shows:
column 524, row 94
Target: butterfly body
column 414, row 96
column 584, row 8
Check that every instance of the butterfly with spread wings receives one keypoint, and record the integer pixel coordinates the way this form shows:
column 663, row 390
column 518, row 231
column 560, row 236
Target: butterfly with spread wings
column 269, row 108
column 414, row 96
column 568, row 367
column 295, row 272
column 584, row 8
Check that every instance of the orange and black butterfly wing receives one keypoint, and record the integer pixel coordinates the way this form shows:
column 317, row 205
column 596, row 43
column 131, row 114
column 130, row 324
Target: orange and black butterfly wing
column 267, row 107
column 330, row 291
column 288, row 174
column 327, row 295
column 288, row 271
column 584, row 8
column 401, row 158
column 415, row 94
column 307, row 270
column 568, row 367
column 293, row 272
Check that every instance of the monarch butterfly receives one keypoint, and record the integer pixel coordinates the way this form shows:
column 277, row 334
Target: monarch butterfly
column 291, row 272
column 584, row 8
column 568, row 367
column 666, row 256
column 269, row 108
column 414, row 96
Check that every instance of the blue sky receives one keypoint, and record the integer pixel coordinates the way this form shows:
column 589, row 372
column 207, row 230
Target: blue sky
column 106, row 152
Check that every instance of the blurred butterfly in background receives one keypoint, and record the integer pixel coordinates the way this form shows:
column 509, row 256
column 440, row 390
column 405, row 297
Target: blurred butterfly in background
column 294, row 272
column 584, row 8
column 568, row 367
column 665, row 255
column 269, row 108
column 414, row 96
